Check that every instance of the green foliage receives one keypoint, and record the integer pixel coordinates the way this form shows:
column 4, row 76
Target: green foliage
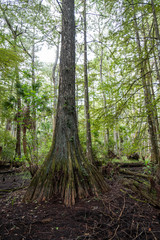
column 115, row 85
column 8, row 145
column 45, row 139
column 9, row 58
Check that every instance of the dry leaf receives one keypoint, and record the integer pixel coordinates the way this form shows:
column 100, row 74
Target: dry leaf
column 46, row 220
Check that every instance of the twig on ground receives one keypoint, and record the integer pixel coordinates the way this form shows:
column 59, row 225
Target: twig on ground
column 30, row 226
column 122, row 210
column 153, row 235
column 111, row 210
column 138, row 235
column 114, row 233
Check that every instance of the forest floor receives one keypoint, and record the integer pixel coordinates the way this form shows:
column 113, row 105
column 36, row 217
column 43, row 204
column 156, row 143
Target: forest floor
column 119, row 214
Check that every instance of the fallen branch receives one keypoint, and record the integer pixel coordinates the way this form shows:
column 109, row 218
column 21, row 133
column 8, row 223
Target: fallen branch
column 12, row 189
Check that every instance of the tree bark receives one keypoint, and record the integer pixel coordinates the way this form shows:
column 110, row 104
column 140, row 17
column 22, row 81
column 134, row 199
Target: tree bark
column 25, row 141
column 34, row 123
column 106, row 130
column 55, row 82
column 18, row 134
column 89, row 153
column 156, row 29
column 65, row 171
column 150, row 86
column 147, row 97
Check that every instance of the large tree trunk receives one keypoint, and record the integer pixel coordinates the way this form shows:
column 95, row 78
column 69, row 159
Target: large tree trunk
column 65, row 171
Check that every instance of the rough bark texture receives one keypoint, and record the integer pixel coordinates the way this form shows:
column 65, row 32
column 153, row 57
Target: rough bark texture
column 65, row 171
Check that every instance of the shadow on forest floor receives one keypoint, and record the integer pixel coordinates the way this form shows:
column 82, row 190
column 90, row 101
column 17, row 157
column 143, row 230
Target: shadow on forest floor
column 120, row 214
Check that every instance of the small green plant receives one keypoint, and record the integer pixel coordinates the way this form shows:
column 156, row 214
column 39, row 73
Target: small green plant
column 147, row 161
column 13, row 201
column 147, row 169
column 124, row 158
column 7, row 142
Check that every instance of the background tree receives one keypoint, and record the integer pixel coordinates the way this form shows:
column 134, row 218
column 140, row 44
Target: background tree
column 89, row 153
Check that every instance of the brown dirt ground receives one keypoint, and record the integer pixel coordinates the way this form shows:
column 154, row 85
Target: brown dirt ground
column 120, row 214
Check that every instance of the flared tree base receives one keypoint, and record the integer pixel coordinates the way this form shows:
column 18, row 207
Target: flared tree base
column 69, row 178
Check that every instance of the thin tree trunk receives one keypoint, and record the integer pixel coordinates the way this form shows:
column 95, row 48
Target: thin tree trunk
column 34, row 132
column 150, row 86
column 106, row 131
column 152, row 46
column 18, row 116
column 147, row 96
column 24, row 141
column 156, row 29
column 8, row 125
column 89, row 153
column 18, row 134
column 55, row 83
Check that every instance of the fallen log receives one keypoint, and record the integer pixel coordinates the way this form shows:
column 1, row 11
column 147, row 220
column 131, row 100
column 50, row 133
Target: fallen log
column 128, row 172
column 7, row 172
column 151, row 196
column 144, row 189
column 136, row 164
